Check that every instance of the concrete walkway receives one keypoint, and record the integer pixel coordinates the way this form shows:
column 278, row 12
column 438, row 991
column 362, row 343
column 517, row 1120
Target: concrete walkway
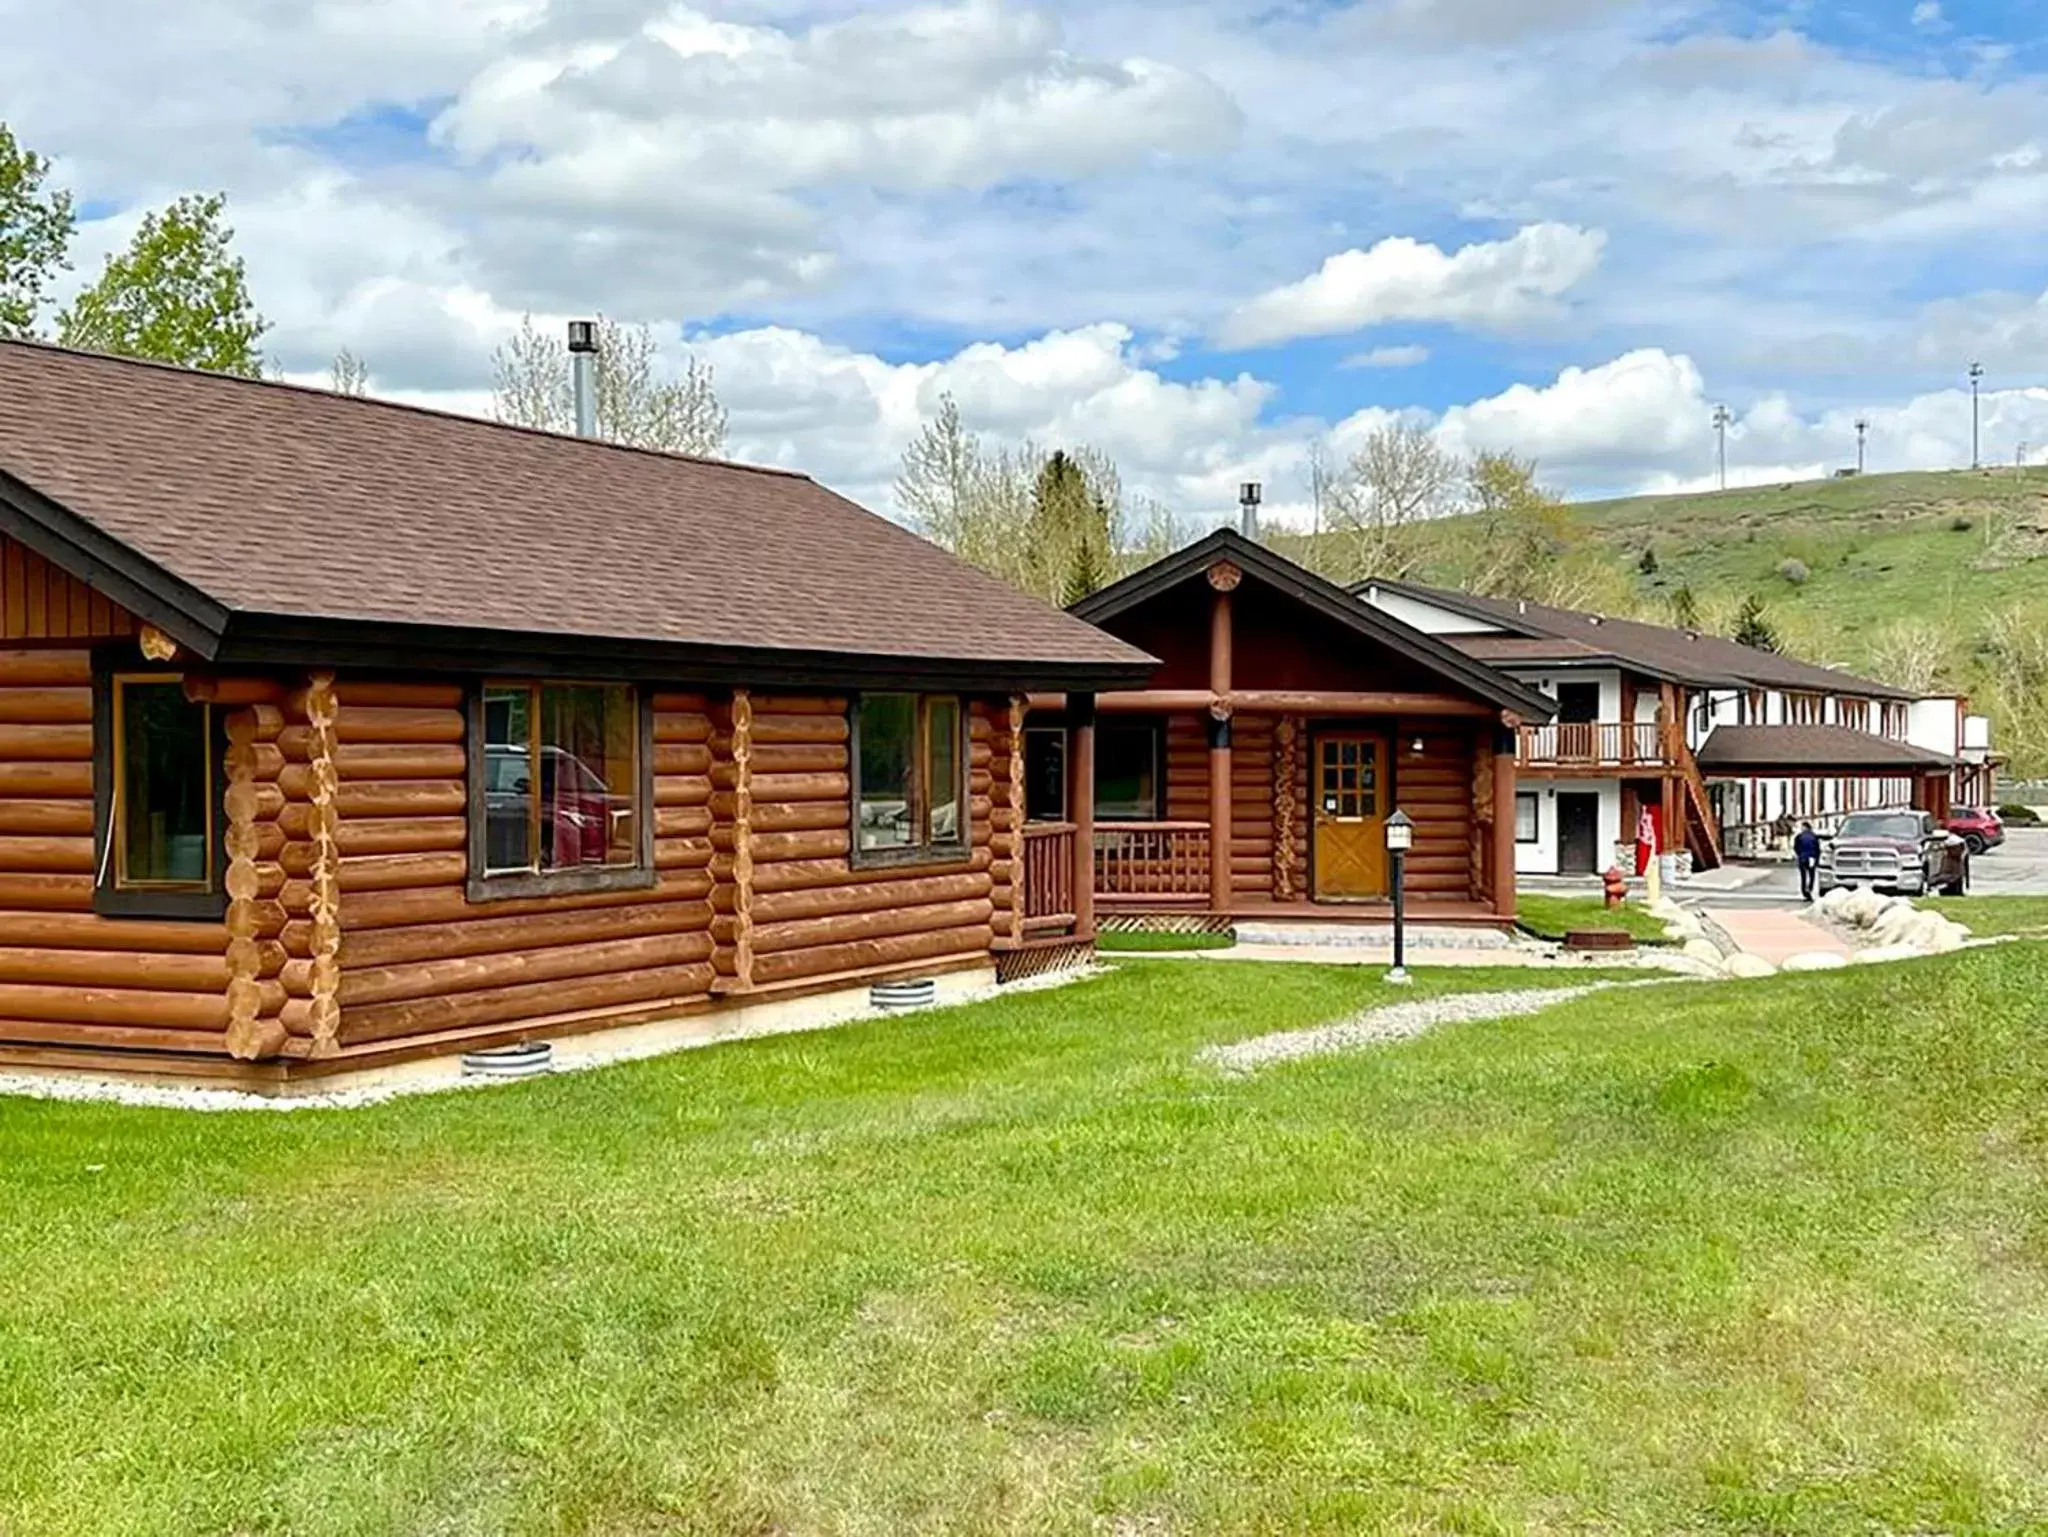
column 1776, row 934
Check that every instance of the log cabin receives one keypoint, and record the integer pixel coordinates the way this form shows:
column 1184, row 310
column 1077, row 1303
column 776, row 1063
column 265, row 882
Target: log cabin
column 1255, row 774
column 337, row 734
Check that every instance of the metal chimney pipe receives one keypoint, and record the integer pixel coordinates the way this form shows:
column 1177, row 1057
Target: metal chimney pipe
column 1248, row 498
column 583, row 375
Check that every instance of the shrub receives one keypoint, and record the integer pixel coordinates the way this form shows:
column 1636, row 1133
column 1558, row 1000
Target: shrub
column 1793, row 570
column 1648, row 564
column 2025, row 816
column 1960, row 524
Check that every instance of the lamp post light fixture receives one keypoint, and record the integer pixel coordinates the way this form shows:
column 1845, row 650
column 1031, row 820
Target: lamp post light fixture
column 1400, row 838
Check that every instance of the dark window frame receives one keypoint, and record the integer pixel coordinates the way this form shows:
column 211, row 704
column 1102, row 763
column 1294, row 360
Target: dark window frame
column 525, row 885
column 1058, row 735
column 927, row 851
column 1156, row 731
column 1536, row 819
column 111, row 668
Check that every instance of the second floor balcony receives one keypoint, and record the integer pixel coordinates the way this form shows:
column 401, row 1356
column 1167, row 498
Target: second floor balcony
column 1599, row 746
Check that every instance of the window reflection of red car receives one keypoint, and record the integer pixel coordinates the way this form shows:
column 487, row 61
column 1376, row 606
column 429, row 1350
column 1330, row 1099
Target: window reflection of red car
column 582, row 821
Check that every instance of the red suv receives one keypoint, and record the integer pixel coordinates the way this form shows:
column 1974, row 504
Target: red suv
column 1977, row 826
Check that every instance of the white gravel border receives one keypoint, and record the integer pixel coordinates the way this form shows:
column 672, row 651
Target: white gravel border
column 167, row 1096
column 1393, row 1022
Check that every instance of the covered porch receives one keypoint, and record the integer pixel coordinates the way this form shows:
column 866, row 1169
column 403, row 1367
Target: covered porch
column 1257, row 780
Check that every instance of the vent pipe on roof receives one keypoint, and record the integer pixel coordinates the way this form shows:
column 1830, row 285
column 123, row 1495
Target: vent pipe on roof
column 1248, row 498
column 583, row 375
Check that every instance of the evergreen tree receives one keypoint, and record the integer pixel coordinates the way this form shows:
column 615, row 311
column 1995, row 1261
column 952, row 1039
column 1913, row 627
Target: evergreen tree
column 1752, row 629
column 1685, row 609
column 1648, row 564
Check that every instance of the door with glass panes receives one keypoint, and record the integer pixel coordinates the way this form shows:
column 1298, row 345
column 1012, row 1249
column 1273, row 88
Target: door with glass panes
column 1348, row 786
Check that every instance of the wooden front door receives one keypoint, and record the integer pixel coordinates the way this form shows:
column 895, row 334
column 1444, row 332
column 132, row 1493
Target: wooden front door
column 1578, row 834
column 1348, row 786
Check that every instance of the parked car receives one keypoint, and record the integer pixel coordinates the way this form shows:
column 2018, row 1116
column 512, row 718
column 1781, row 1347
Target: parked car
column 582, row 822
column 1902, row 851
column 1978, row 826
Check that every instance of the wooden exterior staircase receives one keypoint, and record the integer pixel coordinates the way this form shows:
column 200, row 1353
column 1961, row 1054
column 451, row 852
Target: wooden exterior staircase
column 1695, row 806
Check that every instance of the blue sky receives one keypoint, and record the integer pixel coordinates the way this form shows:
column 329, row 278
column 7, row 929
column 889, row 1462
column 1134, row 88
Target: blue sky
column 1203, row 237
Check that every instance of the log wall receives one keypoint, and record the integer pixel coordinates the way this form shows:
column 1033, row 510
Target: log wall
column 1254, row 746
column 349, row 923
column 67, row 975
column 1435, row 788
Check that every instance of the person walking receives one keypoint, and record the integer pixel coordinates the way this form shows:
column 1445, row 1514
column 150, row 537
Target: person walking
column 1806, row 850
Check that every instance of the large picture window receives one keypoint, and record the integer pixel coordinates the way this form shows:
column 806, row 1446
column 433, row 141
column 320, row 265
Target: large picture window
column 558, row 791
column 1127, row 774
column 910, row 794
column 157, row 784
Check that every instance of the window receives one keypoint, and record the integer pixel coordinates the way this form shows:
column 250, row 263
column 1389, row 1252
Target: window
column 1127, row 774
column 1526, row 827
column 910, row 789
column 559, row 795
column 1045, row 775
column 158, row 789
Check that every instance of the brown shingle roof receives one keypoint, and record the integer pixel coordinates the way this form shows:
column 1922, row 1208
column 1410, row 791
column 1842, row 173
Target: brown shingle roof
column 270, row 499
column 1684, row 656
column 1811, row 750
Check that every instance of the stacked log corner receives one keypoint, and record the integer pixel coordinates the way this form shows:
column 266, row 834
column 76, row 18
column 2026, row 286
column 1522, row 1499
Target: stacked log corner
column 1006, row 824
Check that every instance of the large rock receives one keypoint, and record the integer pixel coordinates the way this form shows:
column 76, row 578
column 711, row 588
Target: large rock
column 1883, row 955
column 1744, row 967
column 1832, row 902
column 1815, row 960
column 1703, row 950
column 1862, row 908
column 1685, row 927
column 1897, row 924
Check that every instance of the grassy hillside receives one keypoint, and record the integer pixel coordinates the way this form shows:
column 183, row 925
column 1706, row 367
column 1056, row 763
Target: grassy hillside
column 1950, row 547
column 1932, row 581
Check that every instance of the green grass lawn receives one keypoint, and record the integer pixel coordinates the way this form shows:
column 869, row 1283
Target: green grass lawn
column 1143, row 942
column 1987, row 916
column 1686, row 1258
column 1552, row 917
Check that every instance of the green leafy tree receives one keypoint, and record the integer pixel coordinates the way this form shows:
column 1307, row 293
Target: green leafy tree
column 35, row 233
column 178, row 294
column 1685, row 609
column 1752, row 628
column 1068, row 537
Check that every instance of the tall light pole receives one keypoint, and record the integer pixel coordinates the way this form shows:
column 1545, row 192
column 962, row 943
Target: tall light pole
column 1862, row 431
column 1721, row 420
column 1976, row 453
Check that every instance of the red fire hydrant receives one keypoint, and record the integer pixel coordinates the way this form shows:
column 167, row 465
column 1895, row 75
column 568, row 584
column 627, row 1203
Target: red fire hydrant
column 1616, row 885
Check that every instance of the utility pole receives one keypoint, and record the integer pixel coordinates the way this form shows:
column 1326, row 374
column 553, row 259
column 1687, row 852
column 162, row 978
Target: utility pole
column 1862, row 431
column 1721, row 420
column 1976, row 450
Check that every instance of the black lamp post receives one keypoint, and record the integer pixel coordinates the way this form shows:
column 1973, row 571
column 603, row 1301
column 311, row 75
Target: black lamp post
column 1400, row 838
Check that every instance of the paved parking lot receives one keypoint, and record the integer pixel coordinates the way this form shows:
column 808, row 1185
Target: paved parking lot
column 2018, row 867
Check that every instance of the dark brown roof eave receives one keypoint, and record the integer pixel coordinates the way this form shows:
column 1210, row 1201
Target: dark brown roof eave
column 280, row 640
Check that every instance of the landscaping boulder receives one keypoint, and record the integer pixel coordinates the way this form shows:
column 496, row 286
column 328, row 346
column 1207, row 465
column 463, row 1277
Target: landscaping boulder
column 1862, row 908
column 1744, row 967
column 1815, row 960
column 1703, row 950
column 1881, row 955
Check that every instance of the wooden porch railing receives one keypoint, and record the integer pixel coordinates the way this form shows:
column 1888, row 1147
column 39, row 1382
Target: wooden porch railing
column 1595, row 745
column 1049, row 905
column 1164, row 862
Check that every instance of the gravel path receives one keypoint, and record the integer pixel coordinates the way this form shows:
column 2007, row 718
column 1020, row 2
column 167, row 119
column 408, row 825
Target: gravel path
column 1392, row 1022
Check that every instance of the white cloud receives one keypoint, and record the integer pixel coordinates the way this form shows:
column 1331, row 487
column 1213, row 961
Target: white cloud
column 1497, row 285
column 1388, row 357
column 1927, row 14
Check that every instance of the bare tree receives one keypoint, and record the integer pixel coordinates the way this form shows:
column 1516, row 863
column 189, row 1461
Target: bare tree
column 1399, row 478
column 1908, row 653
column 635, row 404
column 348, row 374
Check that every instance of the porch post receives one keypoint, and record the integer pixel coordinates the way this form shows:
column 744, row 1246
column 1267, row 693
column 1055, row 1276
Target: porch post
column 1223, row 581
column 1504, row 821
column 1219, row 812
column 1081, row 808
